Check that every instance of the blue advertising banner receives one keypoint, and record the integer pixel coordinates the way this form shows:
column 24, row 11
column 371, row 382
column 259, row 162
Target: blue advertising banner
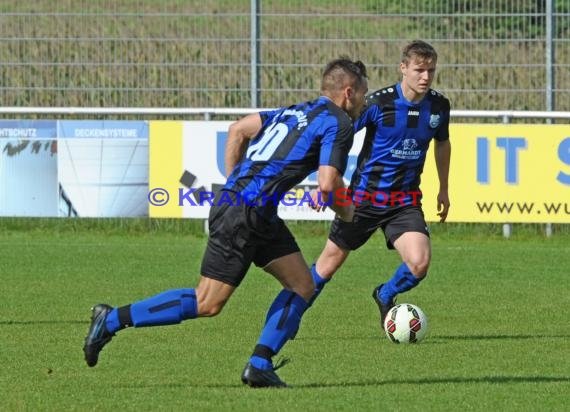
column 28, row 129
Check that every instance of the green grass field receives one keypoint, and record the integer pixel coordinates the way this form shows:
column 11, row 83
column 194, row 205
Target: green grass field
column 498, row 312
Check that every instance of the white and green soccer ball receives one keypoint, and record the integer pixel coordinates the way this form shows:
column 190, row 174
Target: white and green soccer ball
column 406, row 323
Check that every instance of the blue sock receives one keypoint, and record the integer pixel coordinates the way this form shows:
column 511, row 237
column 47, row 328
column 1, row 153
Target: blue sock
column 319, row 284
column 166, row 308
column 112, row 321
column 261, row 363
column 402, row 281
column 281, row 323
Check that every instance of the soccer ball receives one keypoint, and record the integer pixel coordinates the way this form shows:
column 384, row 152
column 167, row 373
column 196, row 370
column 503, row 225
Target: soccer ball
column 406, row 323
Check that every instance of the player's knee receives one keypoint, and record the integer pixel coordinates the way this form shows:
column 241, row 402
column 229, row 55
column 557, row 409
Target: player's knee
column 419, row 266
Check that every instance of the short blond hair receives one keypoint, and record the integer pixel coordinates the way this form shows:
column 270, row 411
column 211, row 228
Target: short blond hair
column 420, row 50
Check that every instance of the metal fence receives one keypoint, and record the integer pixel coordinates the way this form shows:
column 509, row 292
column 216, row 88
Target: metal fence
column 494, row 54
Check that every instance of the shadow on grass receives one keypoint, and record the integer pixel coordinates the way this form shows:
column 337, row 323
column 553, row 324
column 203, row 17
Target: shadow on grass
column 378, row 382
column 436, row 339
column 493, row 337
column 43, row 322
column 449, row 380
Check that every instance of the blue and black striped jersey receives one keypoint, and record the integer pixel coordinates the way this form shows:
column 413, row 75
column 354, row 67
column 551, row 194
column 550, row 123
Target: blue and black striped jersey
column 398, row 134
column 292, row 143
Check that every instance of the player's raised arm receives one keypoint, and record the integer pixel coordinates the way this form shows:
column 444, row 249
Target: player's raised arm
column 239, row 134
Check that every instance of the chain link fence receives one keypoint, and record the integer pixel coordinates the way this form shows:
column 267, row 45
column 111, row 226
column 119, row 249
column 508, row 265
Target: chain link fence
column 494, row 54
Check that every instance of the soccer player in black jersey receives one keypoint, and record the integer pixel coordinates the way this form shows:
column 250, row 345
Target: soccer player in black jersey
column 401, row 120
column 267, row 153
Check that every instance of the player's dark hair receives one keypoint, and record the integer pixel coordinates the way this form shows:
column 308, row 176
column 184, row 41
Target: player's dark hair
column 336, row 72
column 418, row 49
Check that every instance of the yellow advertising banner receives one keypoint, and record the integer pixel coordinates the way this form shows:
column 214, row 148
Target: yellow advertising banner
column 165, row 166
column 499, row 173
column 504, row 174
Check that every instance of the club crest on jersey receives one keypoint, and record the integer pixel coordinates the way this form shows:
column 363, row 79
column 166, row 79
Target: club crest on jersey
column 434, row 121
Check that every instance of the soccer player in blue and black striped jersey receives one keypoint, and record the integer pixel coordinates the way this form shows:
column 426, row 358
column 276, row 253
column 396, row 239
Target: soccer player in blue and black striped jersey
column 400, row 120
column 267, row 153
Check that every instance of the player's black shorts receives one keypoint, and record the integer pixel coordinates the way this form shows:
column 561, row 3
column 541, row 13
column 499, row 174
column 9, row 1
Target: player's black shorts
column 393, row 222
column 240, row 236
